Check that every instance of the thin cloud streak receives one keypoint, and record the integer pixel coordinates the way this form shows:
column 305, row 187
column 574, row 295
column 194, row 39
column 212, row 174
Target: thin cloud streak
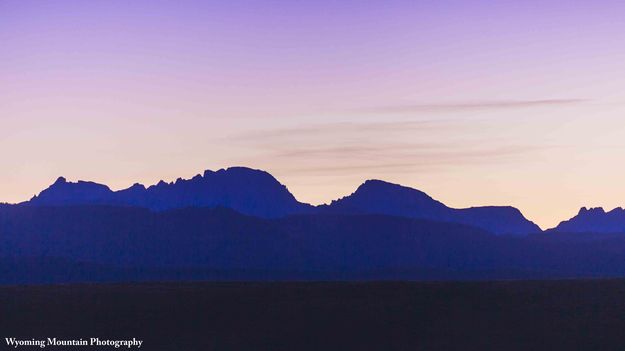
column 346, row 127
column 470, row 106
column 394, row 146
column 309, row 162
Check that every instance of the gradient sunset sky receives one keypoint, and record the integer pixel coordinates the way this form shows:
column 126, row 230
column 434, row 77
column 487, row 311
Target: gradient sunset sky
column 474, row 102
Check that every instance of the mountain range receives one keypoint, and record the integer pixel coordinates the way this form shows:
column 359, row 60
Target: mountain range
column 243, row 224
column 257, row 193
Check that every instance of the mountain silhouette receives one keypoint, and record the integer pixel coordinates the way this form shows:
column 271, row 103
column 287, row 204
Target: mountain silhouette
column 63, row 192
column 245, row 190
column 379, row 197
column 242, row 224
column 594, row 220
column 258, row 193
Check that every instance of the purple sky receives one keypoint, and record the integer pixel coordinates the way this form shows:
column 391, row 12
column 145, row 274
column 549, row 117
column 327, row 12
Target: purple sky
column 475, row 102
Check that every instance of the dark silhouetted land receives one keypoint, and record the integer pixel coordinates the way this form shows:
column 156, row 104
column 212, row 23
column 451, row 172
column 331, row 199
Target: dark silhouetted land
column 257, row 193
column 512, row 315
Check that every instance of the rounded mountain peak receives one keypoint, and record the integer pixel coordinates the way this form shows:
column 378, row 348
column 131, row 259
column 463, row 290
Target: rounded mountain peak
column 380, row 186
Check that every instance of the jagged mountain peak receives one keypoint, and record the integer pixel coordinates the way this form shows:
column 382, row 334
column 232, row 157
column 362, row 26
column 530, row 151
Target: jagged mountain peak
column 595, row 220
column 243, row 189
column 60, row 180
column 73, row 193
column 591, row 210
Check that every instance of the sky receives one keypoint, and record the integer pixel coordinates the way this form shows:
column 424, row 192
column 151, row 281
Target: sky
column 517, row 103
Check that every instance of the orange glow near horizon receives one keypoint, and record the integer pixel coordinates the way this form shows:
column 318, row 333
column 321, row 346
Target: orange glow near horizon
column 462, row 102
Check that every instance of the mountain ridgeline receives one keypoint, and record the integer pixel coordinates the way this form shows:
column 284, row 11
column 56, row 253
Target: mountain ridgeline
column 242, row 224
column 379, row 197
column 594, row 220
column 245, row 190
column 257, row 193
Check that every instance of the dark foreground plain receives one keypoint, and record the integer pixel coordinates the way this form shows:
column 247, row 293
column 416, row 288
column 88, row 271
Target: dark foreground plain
column 505, row 315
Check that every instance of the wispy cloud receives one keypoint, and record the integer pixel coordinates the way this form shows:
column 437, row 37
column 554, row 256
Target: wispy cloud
column 366, row 164
column 343, row 128
column 379, row 147
column 468, row 106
